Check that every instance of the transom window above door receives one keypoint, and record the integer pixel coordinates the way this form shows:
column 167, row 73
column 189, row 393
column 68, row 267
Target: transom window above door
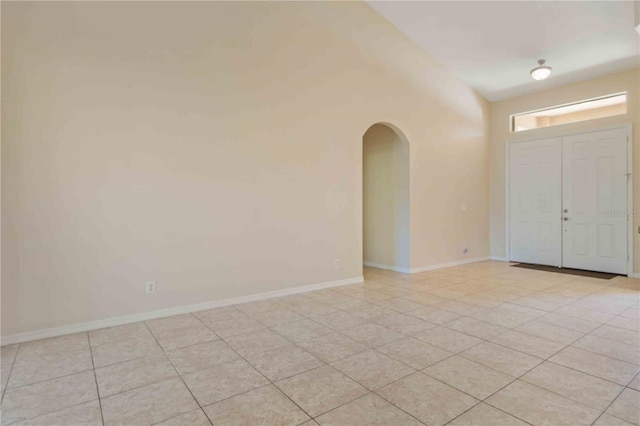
column 588, row 109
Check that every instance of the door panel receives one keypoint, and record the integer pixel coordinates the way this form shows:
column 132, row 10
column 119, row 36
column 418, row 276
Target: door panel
column 535, row 229
column 595, row 201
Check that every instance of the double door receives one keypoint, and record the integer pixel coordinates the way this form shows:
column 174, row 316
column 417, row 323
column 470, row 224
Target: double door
column 568, row 201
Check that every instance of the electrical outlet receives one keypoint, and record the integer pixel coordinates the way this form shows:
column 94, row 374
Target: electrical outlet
column 150, row 287
column 337, row 263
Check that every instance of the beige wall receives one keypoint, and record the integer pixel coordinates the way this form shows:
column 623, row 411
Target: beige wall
column 215, row 147
column 385, row 198
column 500, row 111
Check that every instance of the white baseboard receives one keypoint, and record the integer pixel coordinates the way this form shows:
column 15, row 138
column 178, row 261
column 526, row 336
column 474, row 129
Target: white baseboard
column 449, row 264
column 499, row 259
column 634, row 275
column 387, row 267
column 144, row 316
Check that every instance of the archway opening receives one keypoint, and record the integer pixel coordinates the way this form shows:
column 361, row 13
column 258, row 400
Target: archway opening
column 385, row 198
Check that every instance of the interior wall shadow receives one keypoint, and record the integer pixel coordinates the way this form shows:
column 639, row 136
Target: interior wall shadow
column 385, row 187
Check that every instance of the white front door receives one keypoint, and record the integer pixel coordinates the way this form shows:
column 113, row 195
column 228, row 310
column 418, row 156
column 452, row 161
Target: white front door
column 535, row 182
column 595, row 201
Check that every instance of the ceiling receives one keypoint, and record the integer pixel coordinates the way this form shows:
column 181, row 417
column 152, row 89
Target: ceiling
column 492, row 45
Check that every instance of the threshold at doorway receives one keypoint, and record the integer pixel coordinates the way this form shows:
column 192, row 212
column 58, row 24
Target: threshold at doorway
column 579, row 272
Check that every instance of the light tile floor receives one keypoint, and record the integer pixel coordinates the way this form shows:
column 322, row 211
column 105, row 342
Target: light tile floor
column 479, row 344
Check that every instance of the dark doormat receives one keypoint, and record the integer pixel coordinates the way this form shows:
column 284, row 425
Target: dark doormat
column 579, row 272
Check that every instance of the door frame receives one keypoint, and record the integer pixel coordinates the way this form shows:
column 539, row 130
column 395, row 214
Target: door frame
column 630, row 229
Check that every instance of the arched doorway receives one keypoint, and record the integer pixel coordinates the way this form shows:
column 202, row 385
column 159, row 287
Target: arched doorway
column 385, row 198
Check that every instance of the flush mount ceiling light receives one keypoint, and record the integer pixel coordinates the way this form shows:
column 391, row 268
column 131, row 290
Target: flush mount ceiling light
column 542, row 71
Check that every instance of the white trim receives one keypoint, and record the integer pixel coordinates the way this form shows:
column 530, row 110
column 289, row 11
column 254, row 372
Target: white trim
column 144, row 316
column 449, row 264
column 630, row 216
column 507, row 201
column 387, row 267
column 634, row 275
column 499, row 259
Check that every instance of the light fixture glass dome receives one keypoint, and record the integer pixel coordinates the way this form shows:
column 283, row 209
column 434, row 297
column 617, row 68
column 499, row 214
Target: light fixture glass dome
column 542, row 71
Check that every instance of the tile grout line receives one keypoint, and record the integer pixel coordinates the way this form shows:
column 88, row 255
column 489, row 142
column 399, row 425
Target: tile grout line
column 517, row 378
column 13, row 361
column 325, row 412
column 106, row 366
column 200, row 343
column 375, row 348
column 496, row 408
column 88, row 369
column 415, row 371
column 370, row 392
column 63, row 408
column 396, row 312
column 532, row 384
column 95, row 378
column 552, row 341
column 508, row 329
column 548, row 359
column 325, row 364
column 178, row 374
column 591, row 375
column 551, row 391
column 57, row 410
column 614, row 400
column 271, row 383
column 424, row 374
column 339, row 332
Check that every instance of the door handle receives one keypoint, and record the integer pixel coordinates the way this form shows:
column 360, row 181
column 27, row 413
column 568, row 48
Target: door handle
column 565, row 218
